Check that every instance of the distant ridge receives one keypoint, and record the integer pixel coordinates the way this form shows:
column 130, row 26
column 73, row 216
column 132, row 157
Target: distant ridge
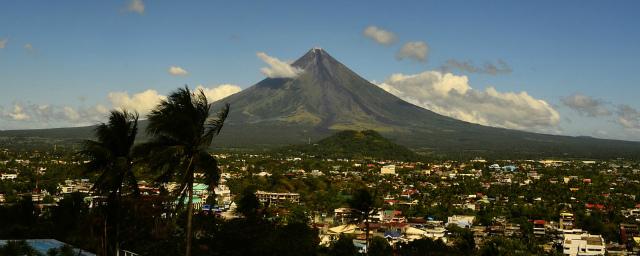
column 328, row 97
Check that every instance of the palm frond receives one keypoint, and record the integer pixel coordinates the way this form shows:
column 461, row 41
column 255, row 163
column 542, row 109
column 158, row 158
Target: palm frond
column 209, row 166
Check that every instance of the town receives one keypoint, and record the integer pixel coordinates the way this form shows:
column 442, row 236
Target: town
column 474, row 206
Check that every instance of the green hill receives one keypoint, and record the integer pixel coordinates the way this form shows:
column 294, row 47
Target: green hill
column 355, row 144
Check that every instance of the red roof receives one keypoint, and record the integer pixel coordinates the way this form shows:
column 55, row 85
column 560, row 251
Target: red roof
column 539, row 222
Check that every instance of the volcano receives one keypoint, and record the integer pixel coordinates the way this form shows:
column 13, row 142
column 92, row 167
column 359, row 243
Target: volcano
column 328, row 97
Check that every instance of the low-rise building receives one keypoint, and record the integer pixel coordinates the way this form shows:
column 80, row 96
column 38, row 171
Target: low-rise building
column 567, row 221
column 583, row 245
column 539, row 227
column 8, row 176
column 463, row 221
column 277, row 198
column 388, row 169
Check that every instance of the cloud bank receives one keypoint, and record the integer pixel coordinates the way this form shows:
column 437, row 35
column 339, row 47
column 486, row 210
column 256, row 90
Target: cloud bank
column 45, row 115
column 219, row 92
column 451, row 95
column 141, row 102
column 277, row 68
column 379, row 35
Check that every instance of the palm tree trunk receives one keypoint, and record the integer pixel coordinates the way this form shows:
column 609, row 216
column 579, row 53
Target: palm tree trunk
column 189, row 218
column 105, row 240
column 366, row 235
column 189, row 206
column 117, row 222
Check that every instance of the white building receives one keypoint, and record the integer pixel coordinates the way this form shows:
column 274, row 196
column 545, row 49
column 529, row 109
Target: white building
column 388, row 169
column 463, row 221
column 583, row 245
column 276, row 198
column 223, row 194
column 8, row 176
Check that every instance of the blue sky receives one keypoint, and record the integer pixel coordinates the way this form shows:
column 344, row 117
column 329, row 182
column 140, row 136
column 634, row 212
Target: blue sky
column 579, row 57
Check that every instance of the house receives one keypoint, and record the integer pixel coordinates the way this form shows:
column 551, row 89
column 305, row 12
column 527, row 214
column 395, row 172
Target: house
column 538, row 227
column 567, row 221
column 583, row 244
column 463, row 221
column 388, row 169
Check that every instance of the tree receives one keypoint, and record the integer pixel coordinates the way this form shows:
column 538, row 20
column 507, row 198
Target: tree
column 111, row 156
column 379, row 247
column 425, row 246
column 248, row 205
column 343, row 247
column 182, row 131
column 363, row 202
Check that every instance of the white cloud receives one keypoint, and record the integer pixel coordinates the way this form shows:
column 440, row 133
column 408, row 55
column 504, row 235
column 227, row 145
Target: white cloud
column 413, row 50
column 379, row 35
column 219, row 92
column 586, row 105
column 451, row 95
column 18, row 113
column 142, row 102
column 177, row 71
column 3, row 43
column 277, row 68
column 136, row 6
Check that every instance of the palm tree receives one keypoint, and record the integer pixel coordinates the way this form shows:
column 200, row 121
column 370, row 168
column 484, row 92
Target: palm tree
column 111, row 156
column 364, row 203
column 182, row 131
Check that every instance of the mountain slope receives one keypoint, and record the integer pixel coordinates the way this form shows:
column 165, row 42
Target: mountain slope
column 327, row 97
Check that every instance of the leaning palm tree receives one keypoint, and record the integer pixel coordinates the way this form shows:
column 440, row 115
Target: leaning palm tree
column 111, row 156
column 182, row 131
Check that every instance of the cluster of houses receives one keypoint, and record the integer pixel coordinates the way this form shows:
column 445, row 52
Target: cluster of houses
column 406, row 190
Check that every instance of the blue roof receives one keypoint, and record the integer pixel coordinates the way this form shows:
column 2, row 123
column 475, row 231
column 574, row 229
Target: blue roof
column 43, row 245
column 392, row 233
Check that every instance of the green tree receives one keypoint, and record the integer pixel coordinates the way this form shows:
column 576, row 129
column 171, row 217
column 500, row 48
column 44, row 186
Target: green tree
column 248, row 205
column 183, row 131
column 379, row 247
column 343, row 247
column 425, row 247
column 111, row 156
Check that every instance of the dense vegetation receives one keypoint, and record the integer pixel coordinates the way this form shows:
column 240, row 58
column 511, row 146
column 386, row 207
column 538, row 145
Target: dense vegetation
column 351, row 144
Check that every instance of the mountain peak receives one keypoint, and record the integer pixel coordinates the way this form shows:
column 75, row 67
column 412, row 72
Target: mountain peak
column 322, row 65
